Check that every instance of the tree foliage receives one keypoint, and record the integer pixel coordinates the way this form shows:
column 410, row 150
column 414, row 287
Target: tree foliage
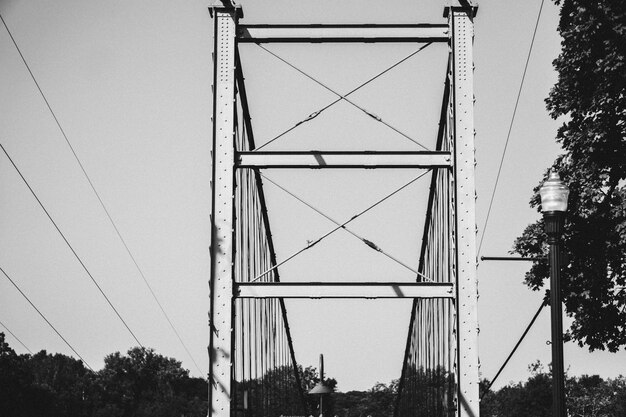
column 141, row 383
column 587, row 396
column 378, row 401
column 590, row 95
column 276, row 393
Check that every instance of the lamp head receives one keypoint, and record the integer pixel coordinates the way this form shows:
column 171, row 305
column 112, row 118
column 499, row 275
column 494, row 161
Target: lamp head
column 321, row 388
column 554, row 194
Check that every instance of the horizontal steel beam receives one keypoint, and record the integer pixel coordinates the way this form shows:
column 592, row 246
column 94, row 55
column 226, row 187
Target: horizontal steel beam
column 344, row 290
column 512, row 258
column 343, row 33
column 319, row 159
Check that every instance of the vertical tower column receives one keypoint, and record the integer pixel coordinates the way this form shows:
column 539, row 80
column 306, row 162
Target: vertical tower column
column 462, row 34
column 221, row 341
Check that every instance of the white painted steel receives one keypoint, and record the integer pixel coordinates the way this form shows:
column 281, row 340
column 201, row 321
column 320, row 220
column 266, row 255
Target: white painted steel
column 345, row 290
column 220, row 339
column 465, row 213
column 427, row 33
column 343, row 160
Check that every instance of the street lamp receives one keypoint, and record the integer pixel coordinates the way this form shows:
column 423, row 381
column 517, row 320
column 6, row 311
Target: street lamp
column 321, row 388
column 554, row 195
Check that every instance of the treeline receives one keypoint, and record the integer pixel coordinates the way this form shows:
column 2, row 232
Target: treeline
column 143, row 383
column 377, row 401
column 140, row 383
column 587, row 396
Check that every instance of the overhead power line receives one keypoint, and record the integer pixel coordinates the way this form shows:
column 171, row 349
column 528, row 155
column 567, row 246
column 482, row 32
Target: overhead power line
column 508, row 136
column 106, row 211
column 44, row 317
column 71, row 247
column 15, row 337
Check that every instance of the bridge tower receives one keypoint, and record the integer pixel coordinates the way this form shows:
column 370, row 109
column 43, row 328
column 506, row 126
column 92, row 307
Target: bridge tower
column 448, row 255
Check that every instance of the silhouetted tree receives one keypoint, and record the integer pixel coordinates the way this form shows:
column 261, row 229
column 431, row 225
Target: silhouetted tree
column 587, row 396
column 141, row 383
column 590, row 96
column 144, row 383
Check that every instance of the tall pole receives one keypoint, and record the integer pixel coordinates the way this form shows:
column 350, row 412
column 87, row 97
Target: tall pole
column 221, row 342
column 554, row 226
column 554, row 194
column 322, row 382
column 464, row 195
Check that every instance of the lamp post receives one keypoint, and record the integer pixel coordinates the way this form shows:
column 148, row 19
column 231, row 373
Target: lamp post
column 321, row 388
column 554, row 195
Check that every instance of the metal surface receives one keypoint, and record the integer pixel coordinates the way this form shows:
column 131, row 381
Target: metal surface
column 344, row 290
column 462, row 30
column 441, row 131
column 511, row 258
column 449, row 306
column 342, row 33
column 266, row 223
column 554, row 226
column 220, row 284
column 318, row 159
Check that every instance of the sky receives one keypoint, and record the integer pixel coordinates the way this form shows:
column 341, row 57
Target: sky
column 130, row 84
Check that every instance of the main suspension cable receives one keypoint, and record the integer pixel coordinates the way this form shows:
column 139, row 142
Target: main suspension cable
column 508, row 136
column 342, row 97
column 532, row 321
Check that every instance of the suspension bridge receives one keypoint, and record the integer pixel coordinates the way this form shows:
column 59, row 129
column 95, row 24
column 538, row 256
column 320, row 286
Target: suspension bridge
column 253, row 360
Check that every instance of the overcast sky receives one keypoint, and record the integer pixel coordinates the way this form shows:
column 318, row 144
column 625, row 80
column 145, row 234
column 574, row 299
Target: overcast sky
column 129, row 82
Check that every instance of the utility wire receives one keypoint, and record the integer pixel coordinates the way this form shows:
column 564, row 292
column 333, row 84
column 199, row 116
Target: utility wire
column 106, row 211
column 340, row 226
column 15, row 337
column 341, row 97
column 367, row 242
column 532, row 321
column 70, row 246
column 508, row 136
column 44, row 317
column 318, row 112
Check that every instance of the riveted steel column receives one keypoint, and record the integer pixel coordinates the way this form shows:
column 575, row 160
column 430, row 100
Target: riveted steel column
column 221, row 341
column 462, row 33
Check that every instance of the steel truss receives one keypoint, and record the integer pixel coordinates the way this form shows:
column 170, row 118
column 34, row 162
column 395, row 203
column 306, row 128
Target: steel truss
column 448, row 253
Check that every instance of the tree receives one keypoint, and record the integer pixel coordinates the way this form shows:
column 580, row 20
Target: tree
column 141, row 383
column 590, row 95
column 42, row 384
column 276, row 393
column 587, row 396
column 378, row 401
column 144, row 383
